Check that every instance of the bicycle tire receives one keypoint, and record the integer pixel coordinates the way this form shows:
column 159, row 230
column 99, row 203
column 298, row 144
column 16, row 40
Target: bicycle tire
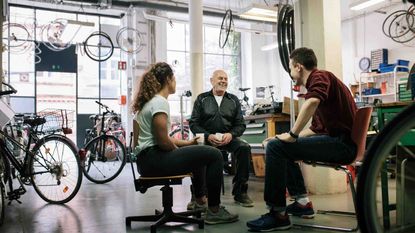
column 367, row 214
column 178, row 130
column 3, row 175
column 103, row 168
column 98, row 57
column 2, row 206
column 63, row 168
column 225, row 28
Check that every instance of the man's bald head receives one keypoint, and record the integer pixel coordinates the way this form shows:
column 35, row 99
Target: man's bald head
column 219, row 81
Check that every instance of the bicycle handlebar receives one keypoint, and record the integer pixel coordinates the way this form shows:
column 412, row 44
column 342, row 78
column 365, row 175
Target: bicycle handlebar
column 102, row 105
column 8, row 92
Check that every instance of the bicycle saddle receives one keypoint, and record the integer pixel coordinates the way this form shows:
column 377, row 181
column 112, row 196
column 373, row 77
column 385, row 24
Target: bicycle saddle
column 34, row 121
column 244, row 89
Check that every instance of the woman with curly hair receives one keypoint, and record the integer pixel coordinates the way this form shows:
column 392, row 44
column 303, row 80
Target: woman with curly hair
column 161, row 155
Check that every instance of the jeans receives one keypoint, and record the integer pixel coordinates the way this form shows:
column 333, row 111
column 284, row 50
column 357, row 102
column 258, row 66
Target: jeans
column 242, row 153
column 282, row 171
column 201, row 161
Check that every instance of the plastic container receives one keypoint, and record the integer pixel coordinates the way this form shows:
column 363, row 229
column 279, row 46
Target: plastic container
column 401, row 62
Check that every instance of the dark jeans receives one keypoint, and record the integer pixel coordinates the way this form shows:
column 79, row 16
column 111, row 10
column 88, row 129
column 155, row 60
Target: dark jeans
column 201, row 161
column 242, row 153
column 282, row 171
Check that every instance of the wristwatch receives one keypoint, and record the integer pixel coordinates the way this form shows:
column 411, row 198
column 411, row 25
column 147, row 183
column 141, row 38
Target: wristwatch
column 293, row 134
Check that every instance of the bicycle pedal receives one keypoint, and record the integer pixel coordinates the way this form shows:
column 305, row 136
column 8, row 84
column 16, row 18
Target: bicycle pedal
column 21, row 191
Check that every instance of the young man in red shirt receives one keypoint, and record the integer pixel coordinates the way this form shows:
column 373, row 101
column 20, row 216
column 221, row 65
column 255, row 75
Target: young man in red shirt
column 331, row 106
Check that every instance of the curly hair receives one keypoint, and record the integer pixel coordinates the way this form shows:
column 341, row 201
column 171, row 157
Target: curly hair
column 152, row 81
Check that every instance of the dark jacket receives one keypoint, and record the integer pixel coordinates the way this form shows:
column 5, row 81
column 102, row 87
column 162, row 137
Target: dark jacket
column 208, row 118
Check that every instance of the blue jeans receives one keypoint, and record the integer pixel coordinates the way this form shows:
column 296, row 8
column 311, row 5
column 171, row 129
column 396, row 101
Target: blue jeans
column 282, row 171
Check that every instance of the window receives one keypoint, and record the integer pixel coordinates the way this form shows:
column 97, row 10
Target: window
column 96, row 81
column 178, row 56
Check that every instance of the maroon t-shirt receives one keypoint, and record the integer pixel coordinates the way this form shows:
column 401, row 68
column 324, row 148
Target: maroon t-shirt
column 335, row 113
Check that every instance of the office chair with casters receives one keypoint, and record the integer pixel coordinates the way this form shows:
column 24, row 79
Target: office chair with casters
column 359, row 133
column 166, row 215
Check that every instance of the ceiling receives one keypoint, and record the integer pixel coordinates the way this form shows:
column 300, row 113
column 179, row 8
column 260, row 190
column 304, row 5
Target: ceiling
column 212, row 7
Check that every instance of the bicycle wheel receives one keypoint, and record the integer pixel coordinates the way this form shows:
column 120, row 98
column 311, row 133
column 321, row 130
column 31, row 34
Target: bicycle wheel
column 176, row 133
column 105, row 158
column 55, row 169
column 2, row 182
column 374, row 188
column 2, row 206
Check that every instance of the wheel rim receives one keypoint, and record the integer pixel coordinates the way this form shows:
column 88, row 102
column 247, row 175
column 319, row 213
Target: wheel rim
column 105, row 158
column 56, row 171
column 370, row 183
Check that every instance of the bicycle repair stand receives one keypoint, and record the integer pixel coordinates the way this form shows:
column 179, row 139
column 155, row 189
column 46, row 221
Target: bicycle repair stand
column 245, row 98
column 187, row 93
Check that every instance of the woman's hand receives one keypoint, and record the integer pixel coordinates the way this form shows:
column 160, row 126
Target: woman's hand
column 193, row 141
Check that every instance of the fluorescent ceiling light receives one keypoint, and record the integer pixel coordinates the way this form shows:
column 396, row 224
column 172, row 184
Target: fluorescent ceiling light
column 75, row 28
column 271, row 46
column 262, row 13
column 362, row 4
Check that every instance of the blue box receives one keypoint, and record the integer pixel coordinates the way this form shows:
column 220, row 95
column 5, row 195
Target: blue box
column 385, row 68
column 371, row 91
column 400, row 62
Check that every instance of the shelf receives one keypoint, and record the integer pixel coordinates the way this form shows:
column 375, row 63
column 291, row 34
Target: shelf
column 374, row 75
column 378, row 95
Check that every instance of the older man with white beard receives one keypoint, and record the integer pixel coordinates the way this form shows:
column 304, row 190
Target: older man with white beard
column 217, row 114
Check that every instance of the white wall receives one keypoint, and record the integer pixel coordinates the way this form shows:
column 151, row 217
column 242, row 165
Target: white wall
column 361, row 35
column 265, row 68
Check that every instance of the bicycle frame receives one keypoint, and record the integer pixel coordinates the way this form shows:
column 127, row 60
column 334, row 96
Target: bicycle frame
column 9, row 154
column 22, row 168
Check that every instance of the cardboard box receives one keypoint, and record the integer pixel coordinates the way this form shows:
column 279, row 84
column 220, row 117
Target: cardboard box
column 286, row 106
column 258, row 161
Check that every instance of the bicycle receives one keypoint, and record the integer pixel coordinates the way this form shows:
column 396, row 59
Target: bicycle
column 396, row 137
column 181, row 130
column 49, row 163
column 105, row 154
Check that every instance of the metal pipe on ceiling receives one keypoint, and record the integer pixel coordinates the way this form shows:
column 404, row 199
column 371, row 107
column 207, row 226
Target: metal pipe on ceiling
column 167, row 6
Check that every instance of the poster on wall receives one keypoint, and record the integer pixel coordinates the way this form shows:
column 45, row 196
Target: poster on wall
column 260, row 92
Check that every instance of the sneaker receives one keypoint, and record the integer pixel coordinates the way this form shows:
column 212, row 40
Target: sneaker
column 303, row 211
column 222, row 216
column 270, row 221
column 192, row 205
column 243, row 200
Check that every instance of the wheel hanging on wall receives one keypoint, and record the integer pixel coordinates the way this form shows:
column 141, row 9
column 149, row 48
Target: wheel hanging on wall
column 51, row 35
column 225, row 28
column 98, row 46
column 129, row 40
column 286, row 35
column 18, row 38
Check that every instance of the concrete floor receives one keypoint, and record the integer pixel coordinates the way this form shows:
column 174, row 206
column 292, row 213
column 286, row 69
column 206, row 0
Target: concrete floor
column 103, row 208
